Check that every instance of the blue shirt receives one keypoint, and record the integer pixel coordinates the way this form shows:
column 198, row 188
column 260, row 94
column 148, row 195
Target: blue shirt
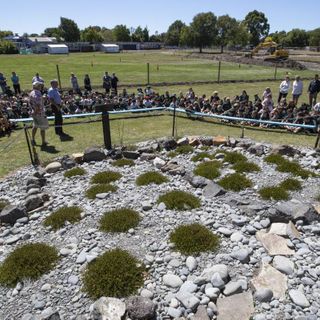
column 53, row 93
column 15, row 79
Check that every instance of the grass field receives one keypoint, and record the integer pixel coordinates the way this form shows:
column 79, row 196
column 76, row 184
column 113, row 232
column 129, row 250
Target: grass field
column 131, row 68
column 14, row 151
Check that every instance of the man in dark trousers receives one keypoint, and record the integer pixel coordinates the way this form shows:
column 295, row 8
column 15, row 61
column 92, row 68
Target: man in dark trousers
column 313, row 90
column 114, row 83
column 55, row 100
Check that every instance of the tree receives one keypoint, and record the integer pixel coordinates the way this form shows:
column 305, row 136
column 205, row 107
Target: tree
column 174, row 33
column 278, row 36
column 137, row 35
column 257, row 26
column 314, row 37
column 121, row 33
column 158, row 37
column 145, row 33
column 187, row 37
column 241, row 36
column 92, row 34
column 7, row 47
column 107, row 35
column 227, row 28
column 296, row 38
column 5, row 33
column 69, row 30
column 203, row 29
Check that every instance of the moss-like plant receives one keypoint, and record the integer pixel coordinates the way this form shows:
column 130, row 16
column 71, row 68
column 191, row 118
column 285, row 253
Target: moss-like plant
column 179, row 200
column 29, row 261
column 185, row 149
column 172, row 154
column 201, row 156
column 105, row 177
column 208, row 169
column 194, row 239
column 235, row 182
column 3, row 203
column 275, row 193
column 151, row 177
column 275, row 159
column 317, row 197
column 131, row 147
column 205, row 148
column 244, row 166
column 119, row 220
column 232, row 157
column 123, row 162
column 75, row 172
column 58, row 218
column 99, row 188
column 291, row 184
column 114, row 274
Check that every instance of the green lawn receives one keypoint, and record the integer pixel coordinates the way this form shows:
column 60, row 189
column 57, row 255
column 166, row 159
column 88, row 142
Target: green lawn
column 131, row 68
column 14, row 151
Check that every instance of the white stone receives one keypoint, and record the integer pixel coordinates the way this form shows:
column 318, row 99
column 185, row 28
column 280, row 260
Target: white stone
column 299, row 298
column 107, row 309
column 171, row 280
column 191, row 263
column 283, row 264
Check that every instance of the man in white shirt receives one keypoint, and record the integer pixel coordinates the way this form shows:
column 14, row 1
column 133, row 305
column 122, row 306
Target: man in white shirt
column 284, row 88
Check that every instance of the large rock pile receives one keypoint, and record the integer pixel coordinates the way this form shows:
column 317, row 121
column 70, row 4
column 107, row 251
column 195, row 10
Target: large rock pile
column 267, row 266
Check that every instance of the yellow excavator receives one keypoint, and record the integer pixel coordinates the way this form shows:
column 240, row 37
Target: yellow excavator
column 274, row 51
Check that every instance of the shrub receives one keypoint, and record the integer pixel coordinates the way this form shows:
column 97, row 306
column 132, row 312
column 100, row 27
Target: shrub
column 275, row 193
column 275, row 159
column 291, row 184
column 114, row 274
column 119, row 220
column 185, row 149
column 244, row 166
column 75, row 172
column 235, row 182
column 194, row 239
column 151, row 177
column 29, row 261
column 205, row 148
column 294, row 168
column 179, row 200
column 99, row 188
column 3, row 203
column 201, row 156
column 58, row 218
column 131, row 147
column 208, row 169
column 233, row 157
column 123, row 162
column 172, row 154
column 106, row 177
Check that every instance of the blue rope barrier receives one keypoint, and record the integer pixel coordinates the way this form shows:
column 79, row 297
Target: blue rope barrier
column 217, row 116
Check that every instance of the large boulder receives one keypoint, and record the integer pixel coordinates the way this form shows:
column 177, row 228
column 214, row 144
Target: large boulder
column 93, row 154
column 173, row 168
column 140, row 308
column 196, row 181
column 294, row 210
column 107, row 309
column 220, row 141
column 212, row 190
column 53, row 167
column 131, row 154
column 169, row 144
column 36, row 201
column 10, row 214
column 285, row 150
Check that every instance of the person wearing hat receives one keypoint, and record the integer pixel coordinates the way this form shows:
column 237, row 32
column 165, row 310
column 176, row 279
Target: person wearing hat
column 38, row 113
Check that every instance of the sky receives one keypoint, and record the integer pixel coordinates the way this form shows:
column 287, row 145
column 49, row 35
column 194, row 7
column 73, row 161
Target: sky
column 33, row 16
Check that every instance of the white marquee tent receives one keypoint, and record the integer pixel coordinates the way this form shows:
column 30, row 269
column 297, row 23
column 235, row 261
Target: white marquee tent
column 58, row 49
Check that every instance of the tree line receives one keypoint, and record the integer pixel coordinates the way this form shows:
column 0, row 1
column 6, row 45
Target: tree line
column 205, row 30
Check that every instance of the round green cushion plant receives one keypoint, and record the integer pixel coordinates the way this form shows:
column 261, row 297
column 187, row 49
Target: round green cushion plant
column 114, row 274
column 179, row 200
column 58, row 218
column 208, row 169
column 291, row 184
column 201, row 156
column 275, row 193
column 105, row 177
column 244, row 166
column 235, row 182
column 99, row 188
column 29, row 261
column 233, row 157
column 123, row 162
column 119, row 220
column 74, row 172
column 151, row 177
column 194, row 239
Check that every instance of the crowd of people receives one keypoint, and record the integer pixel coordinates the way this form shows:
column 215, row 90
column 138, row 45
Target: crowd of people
column 283, row 106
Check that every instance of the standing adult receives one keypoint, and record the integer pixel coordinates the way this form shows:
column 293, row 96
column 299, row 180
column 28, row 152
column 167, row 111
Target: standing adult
column 313, row 90
column 284, row 88
column 37, row 78
column 297, row 89
column 87, row 83
column 16, row 83
column 3, row 83
column 74, row 83
column 56, row 102
column 106, row 82
column 38, row 114
column 114, row 83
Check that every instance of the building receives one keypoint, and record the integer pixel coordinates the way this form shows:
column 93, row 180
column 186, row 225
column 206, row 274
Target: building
column 110, row 48
column 40, row 44
column 58, row 48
